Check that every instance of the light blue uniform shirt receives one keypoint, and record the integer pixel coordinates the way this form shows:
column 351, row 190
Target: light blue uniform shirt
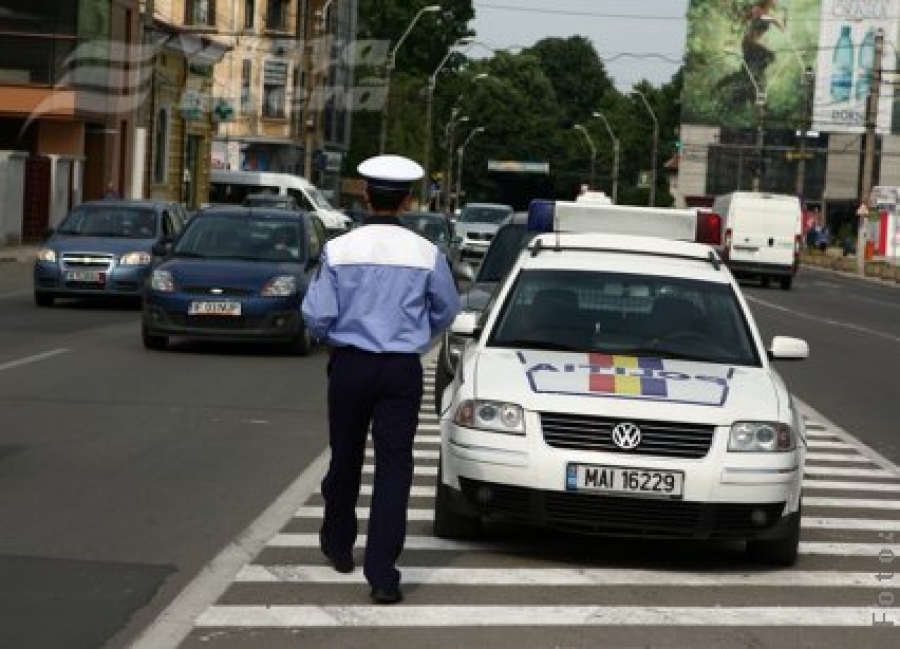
column 381, row 288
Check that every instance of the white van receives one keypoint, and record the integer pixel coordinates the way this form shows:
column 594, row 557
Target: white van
column 763, row 233
column 231, row 187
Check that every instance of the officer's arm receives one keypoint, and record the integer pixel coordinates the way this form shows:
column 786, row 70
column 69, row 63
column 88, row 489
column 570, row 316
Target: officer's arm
column 320, row 304
column 442, row 294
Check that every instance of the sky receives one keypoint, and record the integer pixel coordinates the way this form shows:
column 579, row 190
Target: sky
column 636, row 39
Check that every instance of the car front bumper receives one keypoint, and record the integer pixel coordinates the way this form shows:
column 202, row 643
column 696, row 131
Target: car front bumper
column 261, row 319
column 725, row 495
column 117, row 281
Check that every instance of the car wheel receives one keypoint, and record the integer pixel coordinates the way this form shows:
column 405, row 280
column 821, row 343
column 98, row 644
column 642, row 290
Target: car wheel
column 43, row 299
column 302, row 343
column 449, row 524
column 786, row 283
column 781, row 551
column 152, row 341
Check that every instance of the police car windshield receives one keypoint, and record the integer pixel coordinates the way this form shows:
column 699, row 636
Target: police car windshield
column 624, row 314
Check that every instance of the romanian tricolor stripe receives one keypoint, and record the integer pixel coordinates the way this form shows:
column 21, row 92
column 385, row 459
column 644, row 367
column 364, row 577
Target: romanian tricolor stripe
column 622, row 375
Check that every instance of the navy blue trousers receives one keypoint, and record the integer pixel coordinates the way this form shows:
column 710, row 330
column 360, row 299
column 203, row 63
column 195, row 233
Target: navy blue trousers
column 384, row 391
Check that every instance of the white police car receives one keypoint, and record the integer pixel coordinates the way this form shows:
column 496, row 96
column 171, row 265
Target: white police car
column 617, row 384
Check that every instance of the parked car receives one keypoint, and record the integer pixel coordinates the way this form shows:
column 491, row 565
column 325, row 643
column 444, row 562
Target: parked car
column 476, row 226
column 435, row 227
column 235, row 274
column 103, row 249
column 275, row 201
column 618, row 385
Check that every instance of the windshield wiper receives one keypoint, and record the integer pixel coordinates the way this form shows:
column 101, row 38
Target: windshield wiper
column 657, row 352
column 189, row 255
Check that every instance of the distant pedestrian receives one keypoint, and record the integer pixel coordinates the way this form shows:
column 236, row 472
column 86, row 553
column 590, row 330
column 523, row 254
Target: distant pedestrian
column 380, row 296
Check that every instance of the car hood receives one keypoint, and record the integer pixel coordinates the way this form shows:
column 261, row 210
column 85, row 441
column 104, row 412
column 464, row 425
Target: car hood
column 106, row 245
column 628, row 386
column 248, row 275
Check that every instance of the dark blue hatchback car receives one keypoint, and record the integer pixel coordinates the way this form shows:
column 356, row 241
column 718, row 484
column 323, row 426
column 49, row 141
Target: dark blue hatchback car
column 103, row 249
column 235, row 274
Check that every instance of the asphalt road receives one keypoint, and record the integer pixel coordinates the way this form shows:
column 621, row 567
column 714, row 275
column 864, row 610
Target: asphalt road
column 175, row 492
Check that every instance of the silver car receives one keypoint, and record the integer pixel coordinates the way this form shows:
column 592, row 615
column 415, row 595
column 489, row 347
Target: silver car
column 477, row 225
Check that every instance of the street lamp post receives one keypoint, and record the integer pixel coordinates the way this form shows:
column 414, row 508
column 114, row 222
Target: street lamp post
column 652, row 200
column 590, row 141
column 459, row 164
column 389, row 68
column 615, row 169
column 429, row 115
column 449, row 138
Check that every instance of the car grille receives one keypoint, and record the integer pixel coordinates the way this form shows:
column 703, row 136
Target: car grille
column 658, row 438
column 479, row 236
column 221, row 323
column 601, row 514
column 87, row 261
column 221, row 291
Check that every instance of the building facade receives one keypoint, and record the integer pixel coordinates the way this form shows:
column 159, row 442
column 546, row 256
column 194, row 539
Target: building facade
column 67, row 108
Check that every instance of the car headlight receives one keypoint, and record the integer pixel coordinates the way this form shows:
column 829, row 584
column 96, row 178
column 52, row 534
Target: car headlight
column 162, row 281
column 761, row 436
column 46, row 254
column 493, row 416
column 135, row 259
column 281, row 286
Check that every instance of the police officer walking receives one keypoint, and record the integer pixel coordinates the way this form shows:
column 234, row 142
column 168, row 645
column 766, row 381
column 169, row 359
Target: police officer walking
column 381, row 294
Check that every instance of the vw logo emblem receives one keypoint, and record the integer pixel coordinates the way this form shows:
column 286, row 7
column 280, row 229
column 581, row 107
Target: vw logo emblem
column 626, row 436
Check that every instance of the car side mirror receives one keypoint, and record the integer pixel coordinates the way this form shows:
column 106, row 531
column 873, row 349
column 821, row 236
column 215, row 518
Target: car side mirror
column 463, row 273
column 161, row 248
column 784, row 348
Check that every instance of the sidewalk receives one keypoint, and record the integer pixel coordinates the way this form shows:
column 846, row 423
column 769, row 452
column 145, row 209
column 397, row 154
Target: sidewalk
column 22, row 254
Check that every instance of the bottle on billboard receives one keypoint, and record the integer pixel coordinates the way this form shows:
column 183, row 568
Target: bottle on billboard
column 842, row 66
column 865, row 65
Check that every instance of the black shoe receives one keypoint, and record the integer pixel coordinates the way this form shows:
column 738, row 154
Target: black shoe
column 386, row 595
column 343, row 565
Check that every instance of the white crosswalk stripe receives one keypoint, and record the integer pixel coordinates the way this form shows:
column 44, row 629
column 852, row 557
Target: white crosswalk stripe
column 851, row 524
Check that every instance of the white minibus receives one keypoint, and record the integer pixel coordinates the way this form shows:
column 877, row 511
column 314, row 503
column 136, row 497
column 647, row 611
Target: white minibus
column 231, row 187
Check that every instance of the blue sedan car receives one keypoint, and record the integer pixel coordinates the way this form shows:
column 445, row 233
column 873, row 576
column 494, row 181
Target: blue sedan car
column 235, row 274
column 103, row 249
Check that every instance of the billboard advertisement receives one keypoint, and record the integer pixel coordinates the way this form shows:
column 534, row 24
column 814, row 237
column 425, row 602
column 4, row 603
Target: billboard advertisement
column 743, row 56
column 745, row 63
column 846, row 62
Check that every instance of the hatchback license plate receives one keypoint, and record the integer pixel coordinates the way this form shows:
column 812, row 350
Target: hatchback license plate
column 87, row 276
column 620, row 479
column 224, row 308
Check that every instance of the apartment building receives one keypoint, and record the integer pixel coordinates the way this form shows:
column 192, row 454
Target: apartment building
column 67, row 108
column 284, row 82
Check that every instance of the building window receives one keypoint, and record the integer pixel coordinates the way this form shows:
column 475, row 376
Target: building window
column 246, row 96
column 161, row 132
column 277, row 15
column 249, row 13
column 275, row 76
column 200, row 12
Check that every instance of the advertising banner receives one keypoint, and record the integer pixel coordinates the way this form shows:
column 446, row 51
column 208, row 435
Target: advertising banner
column 745, row 61
column 846, row 61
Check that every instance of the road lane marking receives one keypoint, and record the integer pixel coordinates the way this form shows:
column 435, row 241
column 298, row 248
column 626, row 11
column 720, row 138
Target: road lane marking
column 818, row 548
column 810, row 522
column 814, row 484
column 852, row 503
column 532, row 616
column 829, row 321
column 32, row 359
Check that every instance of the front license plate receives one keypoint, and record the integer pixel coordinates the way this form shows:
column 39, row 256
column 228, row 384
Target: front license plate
column 87, row 276
column 224, row 308
column 620, row 479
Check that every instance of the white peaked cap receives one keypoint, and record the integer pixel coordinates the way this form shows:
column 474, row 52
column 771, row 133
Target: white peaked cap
column 390, row 172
